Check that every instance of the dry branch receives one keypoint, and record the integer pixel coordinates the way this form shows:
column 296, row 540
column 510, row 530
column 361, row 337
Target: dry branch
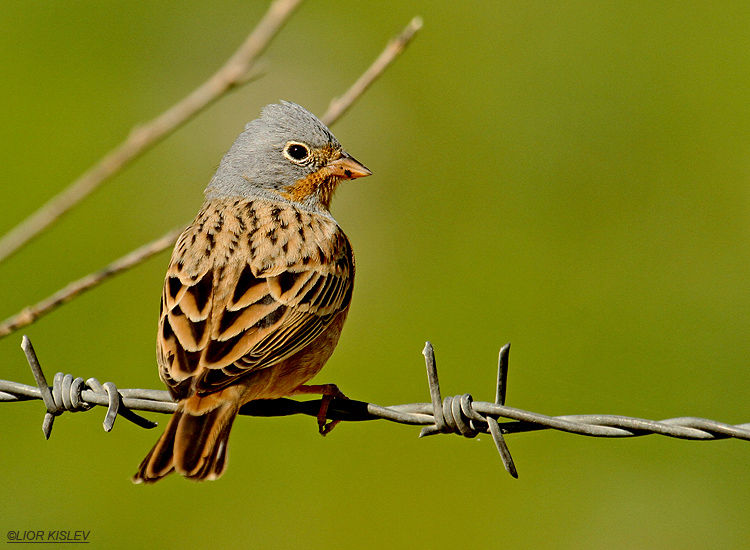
column 337, row 108
column 232, row 74
column 30, row 314
column 394, row 48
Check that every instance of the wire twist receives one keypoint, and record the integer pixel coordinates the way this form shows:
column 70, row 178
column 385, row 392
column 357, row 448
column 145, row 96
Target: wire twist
column 457, row 414
column 66, row 394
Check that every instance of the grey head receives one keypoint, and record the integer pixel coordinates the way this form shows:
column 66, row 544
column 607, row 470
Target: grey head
column 286, row 154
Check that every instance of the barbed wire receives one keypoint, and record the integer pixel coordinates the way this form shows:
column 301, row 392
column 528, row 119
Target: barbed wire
column 457, row 415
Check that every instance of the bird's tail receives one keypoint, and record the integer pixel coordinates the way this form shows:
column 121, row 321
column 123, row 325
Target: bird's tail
column 194, row 444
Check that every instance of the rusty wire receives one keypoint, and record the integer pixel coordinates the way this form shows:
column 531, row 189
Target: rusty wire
column 458, row 415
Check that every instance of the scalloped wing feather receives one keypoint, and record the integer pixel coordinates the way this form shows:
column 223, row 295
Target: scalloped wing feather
column 250, row 284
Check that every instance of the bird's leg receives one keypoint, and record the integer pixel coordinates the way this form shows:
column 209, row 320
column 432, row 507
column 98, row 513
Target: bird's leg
column 327, row 392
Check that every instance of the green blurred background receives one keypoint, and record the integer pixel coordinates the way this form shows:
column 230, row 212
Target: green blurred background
column 572, row 177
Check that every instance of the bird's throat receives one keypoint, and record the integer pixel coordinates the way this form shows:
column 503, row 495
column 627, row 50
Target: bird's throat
column 317, row 187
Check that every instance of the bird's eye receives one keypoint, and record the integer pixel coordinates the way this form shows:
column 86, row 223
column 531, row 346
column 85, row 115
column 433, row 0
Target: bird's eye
column 296, row 152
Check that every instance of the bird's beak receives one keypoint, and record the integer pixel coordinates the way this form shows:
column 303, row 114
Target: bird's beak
column 347, row 168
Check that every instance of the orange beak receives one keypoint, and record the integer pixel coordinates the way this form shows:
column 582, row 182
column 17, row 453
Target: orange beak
column 347, row 168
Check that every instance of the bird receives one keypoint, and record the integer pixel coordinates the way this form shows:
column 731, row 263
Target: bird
column 257, row 289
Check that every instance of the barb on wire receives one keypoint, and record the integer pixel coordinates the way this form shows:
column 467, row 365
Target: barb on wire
column 67, row 394
column 459, row 415
column 338, row 107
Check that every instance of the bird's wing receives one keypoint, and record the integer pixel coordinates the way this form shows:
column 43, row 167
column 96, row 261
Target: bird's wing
column 228, row 309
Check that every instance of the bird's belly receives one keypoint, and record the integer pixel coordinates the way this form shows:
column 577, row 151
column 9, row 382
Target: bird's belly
column 284, row 378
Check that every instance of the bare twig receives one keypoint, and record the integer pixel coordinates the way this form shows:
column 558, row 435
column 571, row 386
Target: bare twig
column 338, row 107
column 32, row 313
column 233, row 73
column 394, row 48
column 459, row 415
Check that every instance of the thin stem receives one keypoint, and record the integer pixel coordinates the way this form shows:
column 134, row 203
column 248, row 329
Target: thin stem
column 232, row 74
column 395, row 47
column 32, row 313
column 338, row 107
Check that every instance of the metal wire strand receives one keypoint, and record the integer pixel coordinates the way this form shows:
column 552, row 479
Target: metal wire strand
column 459, row 415
column 67, row 394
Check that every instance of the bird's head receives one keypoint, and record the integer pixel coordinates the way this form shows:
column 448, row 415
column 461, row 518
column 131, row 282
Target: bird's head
column 287, row 152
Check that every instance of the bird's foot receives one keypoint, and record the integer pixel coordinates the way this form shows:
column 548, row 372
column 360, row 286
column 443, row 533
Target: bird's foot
column 328, row 392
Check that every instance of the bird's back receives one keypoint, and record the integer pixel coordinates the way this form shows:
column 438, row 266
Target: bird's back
column 234, row 303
